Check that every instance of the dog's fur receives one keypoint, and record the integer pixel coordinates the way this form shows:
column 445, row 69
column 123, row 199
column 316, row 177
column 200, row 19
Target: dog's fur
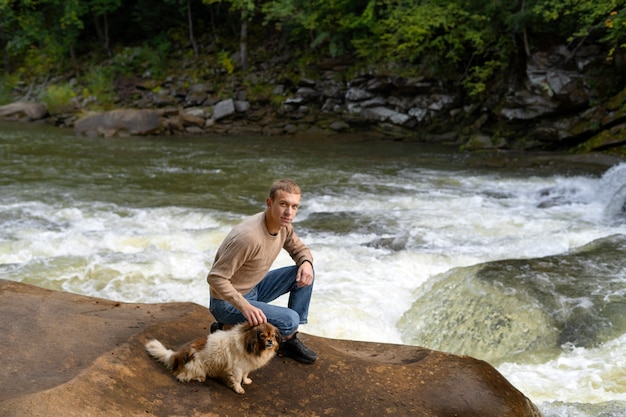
column 227, row 355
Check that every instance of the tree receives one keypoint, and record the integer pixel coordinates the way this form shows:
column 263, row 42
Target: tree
column 577, row 20
column 101, row 10
column 69, row 25
column 7, row 25
column 333, row 24
column 246, row 8
column 186, row 6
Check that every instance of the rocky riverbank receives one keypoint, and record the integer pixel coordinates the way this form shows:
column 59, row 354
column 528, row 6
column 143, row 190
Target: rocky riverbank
column 66, row 354
column 561, row 100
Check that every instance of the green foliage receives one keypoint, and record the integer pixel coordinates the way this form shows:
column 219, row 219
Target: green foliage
column 128, row 61
column 259, row 92
column 97, row 82
column 412, row 32
column 440, row 39
column 137, row 60
column 58, row 98
column 226, row 62
column 101, row 7
column 7, row 83
column 38, row 63
column 244, row 7
column 577, row 18
column 480, row 75
column 468, row 42
column 26, row 29
column 615, row 24
column 333, row 24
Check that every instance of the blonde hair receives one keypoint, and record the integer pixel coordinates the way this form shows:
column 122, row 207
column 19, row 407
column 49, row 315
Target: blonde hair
column 286, row 185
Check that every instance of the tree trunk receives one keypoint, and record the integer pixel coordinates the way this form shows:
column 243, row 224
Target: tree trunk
column 107, row 43
column 102, row 33
column 3, row 45
column 73, row 58
column 244, row 42
column 525, row 33
column 192, row 38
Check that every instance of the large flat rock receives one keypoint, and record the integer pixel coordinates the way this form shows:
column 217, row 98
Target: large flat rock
column 24, row 111
column 65, row 354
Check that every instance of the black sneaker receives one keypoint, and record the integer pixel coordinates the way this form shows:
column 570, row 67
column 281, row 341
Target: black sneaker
column 295, row 349
column 215, row 326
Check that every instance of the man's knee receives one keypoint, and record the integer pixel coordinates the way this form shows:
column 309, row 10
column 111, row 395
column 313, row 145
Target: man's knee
column 287, row 323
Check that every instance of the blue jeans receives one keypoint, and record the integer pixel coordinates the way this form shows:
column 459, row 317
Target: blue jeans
column 276, row 283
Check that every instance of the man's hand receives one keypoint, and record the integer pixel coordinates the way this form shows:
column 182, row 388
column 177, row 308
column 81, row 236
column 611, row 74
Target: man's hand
column 254, row 315
column 304, row 276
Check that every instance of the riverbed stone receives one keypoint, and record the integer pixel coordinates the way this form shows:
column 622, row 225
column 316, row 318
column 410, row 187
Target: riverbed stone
column 67, row 354
column 358, row 94
column 544, row 104
column 23, row 111
column 224, row 109
column 192, row 118
column 339, row 126
column 122, row 122
column 242, row 106
column 383, row 114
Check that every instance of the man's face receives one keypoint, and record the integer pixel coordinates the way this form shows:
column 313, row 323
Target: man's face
column 282, row 210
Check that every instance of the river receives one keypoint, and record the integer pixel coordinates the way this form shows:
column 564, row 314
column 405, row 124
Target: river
column 520, row 264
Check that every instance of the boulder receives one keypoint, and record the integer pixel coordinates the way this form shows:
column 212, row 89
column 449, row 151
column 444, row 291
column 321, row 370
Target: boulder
column 358, row 94
column 242, row 106
column 23, row 111
column 224, row 109
column 382, row 114
column 122, row 122
column 67, row 354
column 192, row 118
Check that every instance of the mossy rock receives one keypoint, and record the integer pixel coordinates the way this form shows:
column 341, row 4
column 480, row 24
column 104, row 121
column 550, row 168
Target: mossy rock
column 609, row 138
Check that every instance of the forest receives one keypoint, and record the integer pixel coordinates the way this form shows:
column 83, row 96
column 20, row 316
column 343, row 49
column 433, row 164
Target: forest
column 465, row 42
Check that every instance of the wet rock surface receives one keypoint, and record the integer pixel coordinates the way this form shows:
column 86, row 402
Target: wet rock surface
column 67, row 354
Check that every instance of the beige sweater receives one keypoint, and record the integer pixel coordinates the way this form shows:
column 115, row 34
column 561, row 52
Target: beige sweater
column 246, row 255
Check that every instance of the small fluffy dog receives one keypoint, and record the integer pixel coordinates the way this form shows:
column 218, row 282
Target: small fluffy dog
column 227, row 355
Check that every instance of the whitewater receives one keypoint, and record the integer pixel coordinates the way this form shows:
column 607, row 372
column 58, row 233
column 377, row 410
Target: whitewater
column 396, row 230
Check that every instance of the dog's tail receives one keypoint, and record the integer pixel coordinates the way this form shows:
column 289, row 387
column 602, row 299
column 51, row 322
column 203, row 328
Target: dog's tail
column 161, row 353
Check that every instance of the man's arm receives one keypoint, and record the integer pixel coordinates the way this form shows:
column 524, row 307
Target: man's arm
column 301, row 254
column 305, row 274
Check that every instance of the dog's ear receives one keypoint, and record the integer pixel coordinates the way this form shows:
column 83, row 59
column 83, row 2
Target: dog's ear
column 252, row 340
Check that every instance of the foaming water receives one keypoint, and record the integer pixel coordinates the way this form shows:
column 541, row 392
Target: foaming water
column 576, row 375
column 140, row 221
column 612, row 191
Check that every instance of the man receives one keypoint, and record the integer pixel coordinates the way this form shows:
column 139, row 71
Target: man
column 242, row 287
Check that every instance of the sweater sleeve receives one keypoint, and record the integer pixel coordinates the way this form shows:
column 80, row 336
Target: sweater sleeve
column 298, row 251
column 230, row 259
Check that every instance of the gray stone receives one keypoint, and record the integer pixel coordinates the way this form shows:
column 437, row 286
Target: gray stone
column 242, row 106
column 382, row 114
column 339, row 126
column 24, row 111
column 119, row 123
column 223, row 109
column 307, row 92
column 418, row 113
column 357, row 94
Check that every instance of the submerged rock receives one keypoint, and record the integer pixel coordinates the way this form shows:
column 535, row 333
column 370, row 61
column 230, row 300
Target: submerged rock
column 67, row 354
column 499, row 309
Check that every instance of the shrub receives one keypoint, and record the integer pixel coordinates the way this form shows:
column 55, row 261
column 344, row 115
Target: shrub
column 58, row 98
